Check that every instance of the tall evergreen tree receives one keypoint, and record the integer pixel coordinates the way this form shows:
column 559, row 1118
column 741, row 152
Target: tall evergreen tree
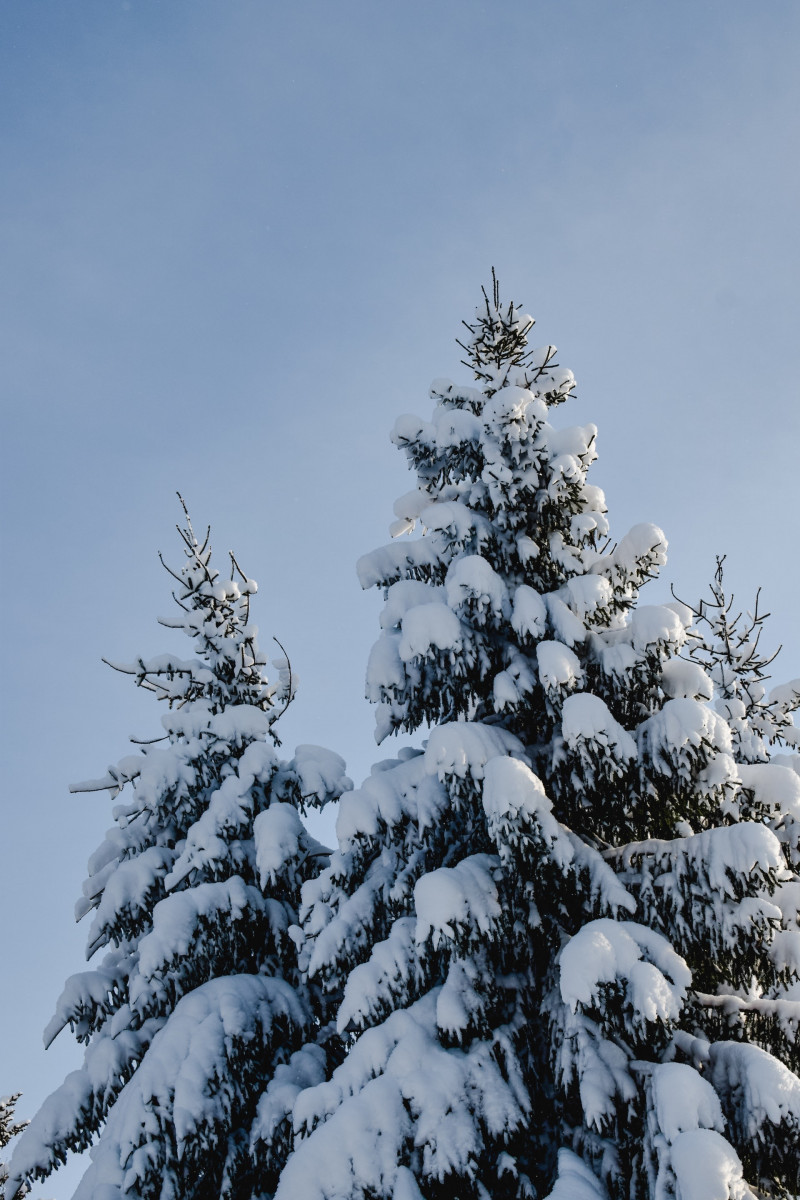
column 537, row 930
column 197, row 1001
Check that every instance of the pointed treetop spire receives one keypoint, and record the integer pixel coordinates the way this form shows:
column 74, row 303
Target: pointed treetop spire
column 498, row 337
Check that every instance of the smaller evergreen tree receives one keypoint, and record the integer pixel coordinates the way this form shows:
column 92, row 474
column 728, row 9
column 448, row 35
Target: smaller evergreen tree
column 9, row 1128
column 727, row 647
column 197, row 1001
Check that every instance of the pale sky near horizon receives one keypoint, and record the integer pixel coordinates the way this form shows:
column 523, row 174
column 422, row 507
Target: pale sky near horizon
column 238, row 240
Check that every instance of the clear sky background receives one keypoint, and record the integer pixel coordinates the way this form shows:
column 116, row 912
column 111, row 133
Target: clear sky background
column 238, row 238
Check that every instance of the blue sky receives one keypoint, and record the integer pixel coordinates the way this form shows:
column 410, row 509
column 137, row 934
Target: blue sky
column 238, row 240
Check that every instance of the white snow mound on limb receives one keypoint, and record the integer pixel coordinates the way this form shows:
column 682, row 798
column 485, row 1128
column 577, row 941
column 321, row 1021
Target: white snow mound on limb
column 605, row 951
column 685, row 680
column 473, row 578
column 277, row 834
column 586, row 718
column 513, row 797
column 768, row 1091
column 656, row 625
column 559, row 667
column 707, row 1167
column 575, row 1181
column 457, row 898
column 463, row 748
column 321, row 772
column 529, row 613
column 684, row 1100
column 427, row 626
column 775, row 786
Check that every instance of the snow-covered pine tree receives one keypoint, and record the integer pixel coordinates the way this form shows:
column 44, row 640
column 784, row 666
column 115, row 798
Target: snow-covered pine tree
column 9, row 1128
column 529, row 923
column 197, row 1001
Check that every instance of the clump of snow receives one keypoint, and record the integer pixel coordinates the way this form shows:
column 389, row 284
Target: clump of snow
column 656, row 625
column 277, row 833
column 606, row 951
column 683, row 726
column 429, row 626
column 371, row 986
column 463, row 748
column 588, row 594
column 405, row 594
column 454, row 426
column 707, row 1167
column 575, row 1181
column 321, row 774
column 559, row 667
column 515, row 804
column 457, row 900
column 567, row 627
column 472, row 579
column 529, row 614
column 765, row 1089
column 586, row 718
column 683, row 679
column 684, row 1100
column 775, row 786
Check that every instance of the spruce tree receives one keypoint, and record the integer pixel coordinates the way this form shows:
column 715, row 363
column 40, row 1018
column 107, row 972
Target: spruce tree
column 196, row 1000
column 9, row 1128
column 542, row 927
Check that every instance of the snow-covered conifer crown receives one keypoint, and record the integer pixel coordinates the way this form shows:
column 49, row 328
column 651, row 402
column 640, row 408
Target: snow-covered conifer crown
column 215, row 614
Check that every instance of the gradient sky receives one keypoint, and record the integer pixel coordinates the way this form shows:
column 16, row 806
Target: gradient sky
column 238, row 239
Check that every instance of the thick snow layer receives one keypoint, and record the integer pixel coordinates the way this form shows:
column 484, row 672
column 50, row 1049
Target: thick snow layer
column 529, row 614
column 514, row 683
column 684, row 1100
column 682, row 727
column 506, row 412
column 306, row 1068
column 559, row 667
column 656, row 626
column 278, row 834
column 457, row 900
column 454, row 426
column 776, row 787
column 394, row 562
column 459, row 525
column 682, row 679
column 586, row 718
column 177, row 919
column 575, row 1181
column 588, row 593
column 130, row 888
column 707, row 1167
column 566, row 626
column 471, row 578
column 605, row 951
column 722, row 856
column 427, row 627
column 409, row 506
column 464, row 747
column 321, row 774
column 514, row 800
column 765, row 1090
column 371, row 986
column 87, row 993
column 643, row 544
column 385, row 670
column 389, row 796
column 405, row 594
